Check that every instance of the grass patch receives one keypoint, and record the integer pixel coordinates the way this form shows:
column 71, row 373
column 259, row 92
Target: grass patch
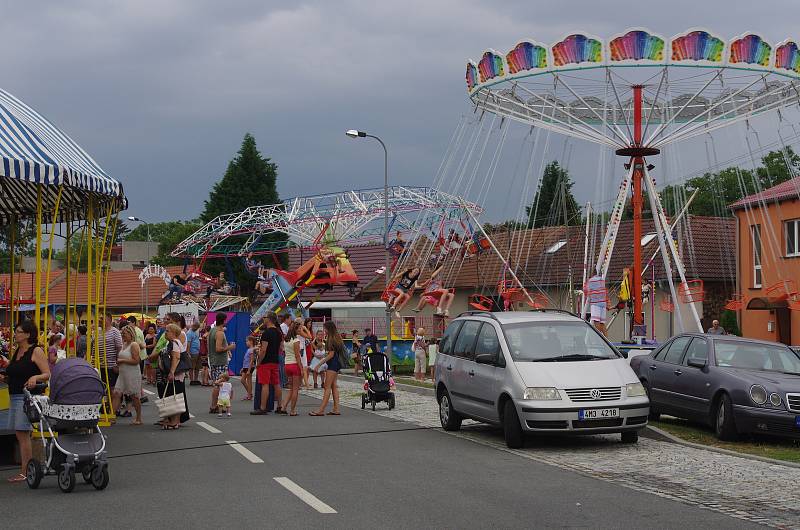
column 413, row 382
column 777, row 448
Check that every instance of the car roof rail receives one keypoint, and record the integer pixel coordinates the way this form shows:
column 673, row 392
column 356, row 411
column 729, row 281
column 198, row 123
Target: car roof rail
column 487, row 314
column 553, row 310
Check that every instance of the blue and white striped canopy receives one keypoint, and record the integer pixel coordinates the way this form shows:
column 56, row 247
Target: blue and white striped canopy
column 34, row 152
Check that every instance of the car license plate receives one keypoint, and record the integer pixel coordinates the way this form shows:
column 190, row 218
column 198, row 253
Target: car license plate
column 597, row 414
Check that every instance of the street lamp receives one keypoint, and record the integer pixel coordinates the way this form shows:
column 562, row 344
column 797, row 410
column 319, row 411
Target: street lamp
column 149, row 241
column 353, row 133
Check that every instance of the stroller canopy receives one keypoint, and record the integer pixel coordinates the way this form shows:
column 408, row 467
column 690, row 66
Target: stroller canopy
column 74, row 382
column 378, row 365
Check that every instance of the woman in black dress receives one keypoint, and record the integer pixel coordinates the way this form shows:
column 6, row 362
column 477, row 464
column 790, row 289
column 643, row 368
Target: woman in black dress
column 27, row 367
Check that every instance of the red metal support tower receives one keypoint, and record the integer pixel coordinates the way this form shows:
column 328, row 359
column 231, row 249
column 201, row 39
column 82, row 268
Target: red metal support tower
column 636, row 153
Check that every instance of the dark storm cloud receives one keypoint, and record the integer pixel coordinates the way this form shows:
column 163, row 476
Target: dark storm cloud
column 161, row 92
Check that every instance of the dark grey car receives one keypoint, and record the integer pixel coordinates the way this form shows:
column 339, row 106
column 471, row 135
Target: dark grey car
column 734, row 384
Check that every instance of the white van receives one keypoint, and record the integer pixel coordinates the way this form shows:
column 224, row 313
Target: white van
column 540, row 371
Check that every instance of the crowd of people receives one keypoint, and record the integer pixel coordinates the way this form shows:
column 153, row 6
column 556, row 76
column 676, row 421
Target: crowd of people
column 289, row 355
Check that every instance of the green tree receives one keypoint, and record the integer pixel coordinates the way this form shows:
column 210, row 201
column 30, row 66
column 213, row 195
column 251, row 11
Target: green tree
column 554, row 203
column 249, row 181
column 168, row 234
column 728, row 321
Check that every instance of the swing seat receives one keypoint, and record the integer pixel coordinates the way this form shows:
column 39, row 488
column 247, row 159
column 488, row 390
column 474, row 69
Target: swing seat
column 387, row 293
column 782, row 290
column 477, row 247
column 691, row 291
column 735, row 302
column 665, row 304
column 480, row 302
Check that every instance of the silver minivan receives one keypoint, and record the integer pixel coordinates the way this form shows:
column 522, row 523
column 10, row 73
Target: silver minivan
column 542, row 371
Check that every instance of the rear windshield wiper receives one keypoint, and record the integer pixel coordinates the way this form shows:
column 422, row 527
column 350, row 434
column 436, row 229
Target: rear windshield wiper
column 572, row 357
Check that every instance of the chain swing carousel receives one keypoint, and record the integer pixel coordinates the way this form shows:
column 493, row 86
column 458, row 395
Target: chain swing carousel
column 53, row 191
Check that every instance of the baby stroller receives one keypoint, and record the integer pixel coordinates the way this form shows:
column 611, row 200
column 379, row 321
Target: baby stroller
column 377, row 374
column 72, row 412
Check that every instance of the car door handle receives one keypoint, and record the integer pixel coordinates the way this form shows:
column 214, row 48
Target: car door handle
column 677, row 372
column 449, row 367
column 652, row 367
column 472, row 372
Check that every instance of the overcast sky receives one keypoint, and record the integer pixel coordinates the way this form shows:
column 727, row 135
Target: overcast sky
column 160, row 93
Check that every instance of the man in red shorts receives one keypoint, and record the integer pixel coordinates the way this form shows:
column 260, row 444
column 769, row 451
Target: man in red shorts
column 268, row 373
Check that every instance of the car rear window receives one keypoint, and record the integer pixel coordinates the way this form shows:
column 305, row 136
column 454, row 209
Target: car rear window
column 756, row 356
column 556, row 341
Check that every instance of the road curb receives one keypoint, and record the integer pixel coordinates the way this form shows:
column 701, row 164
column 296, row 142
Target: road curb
column 421, row 390
column 674, row 439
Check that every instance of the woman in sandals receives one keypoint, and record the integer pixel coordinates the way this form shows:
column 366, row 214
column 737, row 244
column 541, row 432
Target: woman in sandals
column 334, row 346
column 129, row 382
column 293, row 352
column 27, row 367
column 170, row 381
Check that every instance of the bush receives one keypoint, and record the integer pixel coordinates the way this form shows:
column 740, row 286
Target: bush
column 728, row 321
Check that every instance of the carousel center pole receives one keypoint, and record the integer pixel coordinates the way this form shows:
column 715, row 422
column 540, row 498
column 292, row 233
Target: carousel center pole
column 636, row 153
column 638, row 170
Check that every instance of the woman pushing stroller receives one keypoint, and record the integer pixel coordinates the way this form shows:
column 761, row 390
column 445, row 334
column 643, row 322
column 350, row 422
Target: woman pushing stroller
column 27, row 368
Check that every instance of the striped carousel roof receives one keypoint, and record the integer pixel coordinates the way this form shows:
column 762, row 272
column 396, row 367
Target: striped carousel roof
column 33, row 151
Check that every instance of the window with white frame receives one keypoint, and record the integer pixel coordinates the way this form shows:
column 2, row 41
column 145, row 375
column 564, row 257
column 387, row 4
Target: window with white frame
column 755, row 234
column 792, row 233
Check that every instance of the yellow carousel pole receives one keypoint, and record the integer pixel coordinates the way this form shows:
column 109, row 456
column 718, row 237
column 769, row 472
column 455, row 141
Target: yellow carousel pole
column 91, row 351
column 12, row 289
column 38, row 279
column 68, row 325
column 75, row 294
column 50, row 254
column 108, row 414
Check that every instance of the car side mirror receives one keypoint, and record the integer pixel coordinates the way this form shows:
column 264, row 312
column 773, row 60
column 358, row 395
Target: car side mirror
column 697, row 363
column 486, row 358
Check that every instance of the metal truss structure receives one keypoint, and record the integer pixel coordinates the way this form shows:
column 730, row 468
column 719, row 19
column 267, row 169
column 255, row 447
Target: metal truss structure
column 352, row 217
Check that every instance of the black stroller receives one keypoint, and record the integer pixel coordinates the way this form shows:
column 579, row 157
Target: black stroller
column 68, row 420
column 377, row 373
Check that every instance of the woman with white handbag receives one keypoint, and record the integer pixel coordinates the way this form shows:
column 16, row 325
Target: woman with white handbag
column 172, row 402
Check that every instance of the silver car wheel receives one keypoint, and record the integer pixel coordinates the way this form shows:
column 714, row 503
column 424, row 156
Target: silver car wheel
column 444, row 409
column 720, row 416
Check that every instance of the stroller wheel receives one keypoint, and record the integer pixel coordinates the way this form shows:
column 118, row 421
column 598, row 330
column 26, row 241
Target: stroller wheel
column 373, row 404
column 100, row 476
column 33, row 473
column 66, row 479
column 87, row 474
column 391, row 402
column 363, row 402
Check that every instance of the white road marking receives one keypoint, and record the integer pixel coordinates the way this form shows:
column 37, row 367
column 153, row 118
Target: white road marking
column 304, row 495
column 148, row 392
column 209, row 428
column 245, row 452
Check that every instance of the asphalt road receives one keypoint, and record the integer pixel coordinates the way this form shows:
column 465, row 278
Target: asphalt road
column 370, row 470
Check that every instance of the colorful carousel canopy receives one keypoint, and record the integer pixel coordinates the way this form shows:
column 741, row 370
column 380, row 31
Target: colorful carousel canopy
column 35, row 155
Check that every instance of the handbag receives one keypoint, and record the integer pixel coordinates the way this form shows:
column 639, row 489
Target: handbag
column 343, row 359
column 170, row 405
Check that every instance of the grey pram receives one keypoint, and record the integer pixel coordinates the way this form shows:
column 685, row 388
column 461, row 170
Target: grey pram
column 68, row 423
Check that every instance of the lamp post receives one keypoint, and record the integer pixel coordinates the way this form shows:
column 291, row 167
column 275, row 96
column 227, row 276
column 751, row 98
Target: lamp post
column 353, row 133
column 146, row 290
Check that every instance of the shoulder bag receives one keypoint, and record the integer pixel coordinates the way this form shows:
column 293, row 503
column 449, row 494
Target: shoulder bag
column 170, row 405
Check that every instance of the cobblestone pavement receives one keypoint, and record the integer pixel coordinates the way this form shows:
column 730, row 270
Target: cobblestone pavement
column 746, row 489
